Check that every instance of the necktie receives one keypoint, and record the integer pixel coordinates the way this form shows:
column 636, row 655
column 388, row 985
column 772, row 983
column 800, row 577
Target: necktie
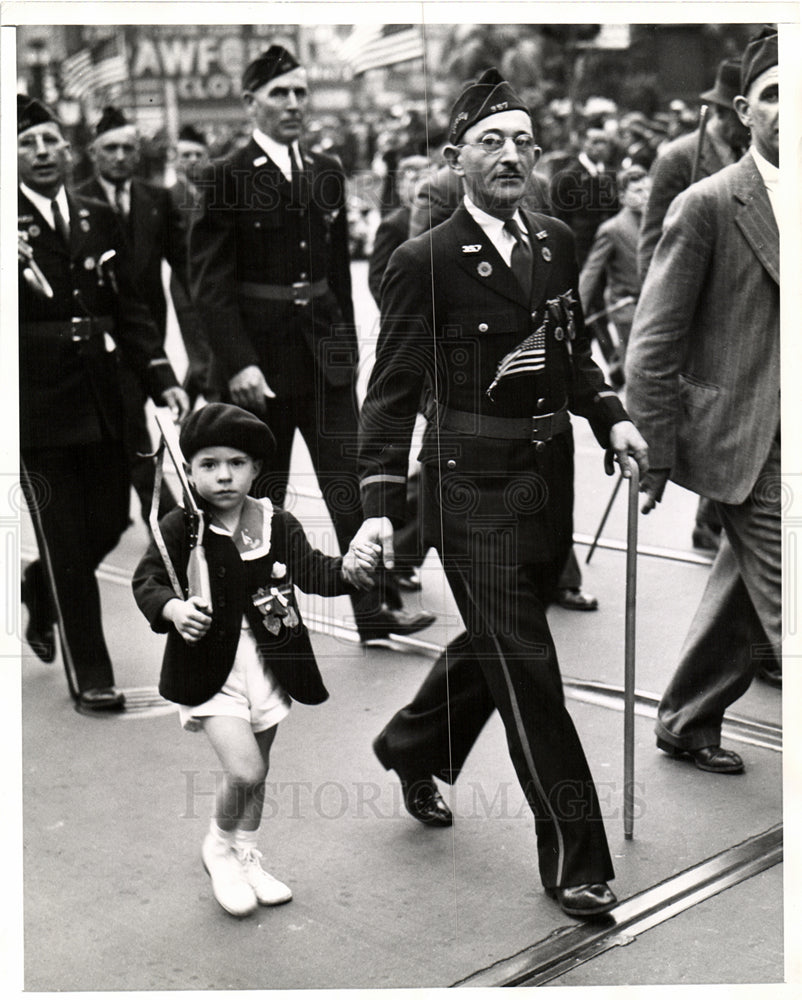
column 521, row 260
column 60, row 223
column 297, row 181
column 119, row 200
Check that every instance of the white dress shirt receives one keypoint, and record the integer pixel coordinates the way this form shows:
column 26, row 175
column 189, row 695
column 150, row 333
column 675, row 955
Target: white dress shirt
column 277, row 151
column 494, row 229
column 42, row 203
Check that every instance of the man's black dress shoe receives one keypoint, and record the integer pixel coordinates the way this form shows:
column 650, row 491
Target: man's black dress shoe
column 399, row 622
column 773, row 676
column 39, row 632
column 574, row 599
column 714, row 759
column 101, row 700
column 422, row 800
column 585, row 901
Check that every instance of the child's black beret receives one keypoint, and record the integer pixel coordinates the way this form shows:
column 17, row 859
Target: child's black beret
column 227, row 426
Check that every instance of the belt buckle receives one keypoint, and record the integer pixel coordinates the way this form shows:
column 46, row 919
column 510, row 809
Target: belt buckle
column 301, row 293
column 542, row 427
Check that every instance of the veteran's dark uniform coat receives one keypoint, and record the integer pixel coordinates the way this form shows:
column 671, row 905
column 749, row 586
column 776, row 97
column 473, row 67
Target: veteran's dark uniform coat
column 192, row 673
column 71, row 417
column 253, row 240
column 497, row 504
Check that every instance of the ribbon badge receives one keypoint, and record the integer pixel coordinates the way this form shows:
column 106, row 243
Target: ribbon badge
column 276, row 604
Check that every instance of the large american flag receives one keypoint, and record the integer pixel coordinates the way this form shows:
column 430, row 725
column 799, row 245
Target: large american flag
column 93, row 67
column 370, row 46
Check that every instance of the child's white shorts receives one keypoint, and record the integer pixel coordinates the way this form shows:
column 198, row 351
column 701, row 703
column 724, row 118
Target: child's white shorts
column 250, row 692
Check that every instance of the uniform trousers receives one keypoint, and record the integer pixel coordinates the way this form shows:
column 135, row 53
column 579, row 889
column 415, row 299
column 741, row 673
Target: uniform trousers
column 506, row 660
column 738, row 624
column 78, row 498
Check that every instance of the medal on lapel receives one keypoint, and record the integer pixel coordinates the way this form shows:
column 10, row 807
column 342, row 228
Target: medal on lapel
column 275, row 602
column 484, row 269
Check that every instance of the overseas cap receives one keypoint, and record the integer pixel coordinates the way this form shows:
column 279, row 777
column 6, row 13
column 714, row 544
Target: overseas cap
column 111, row 118
column 31, row 112
column 759, row 54
column 226, row 426
column 189, row 133
column 488, row 96
column 275, row 62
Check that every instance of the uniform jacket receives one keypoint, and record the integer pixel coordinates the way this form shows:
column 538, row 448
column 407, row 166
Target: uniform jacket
column 247, row 230
column 69, row 389
column 612, row 263
column 156, row 231
column 671, row 173
column 192, row 673
column 450, row 329
column 703, row 364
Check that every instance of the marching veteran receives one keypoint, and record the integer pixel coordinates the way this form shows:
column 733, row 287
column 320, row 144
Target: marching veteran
column 270, row 274
column 703, row 381
column 77, row 312
column 485, row 308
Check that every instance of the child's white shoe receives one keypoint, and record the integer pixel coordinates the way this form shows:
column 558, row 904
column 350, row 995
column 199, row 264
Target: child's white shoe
column 230, row 887
column 269, row 891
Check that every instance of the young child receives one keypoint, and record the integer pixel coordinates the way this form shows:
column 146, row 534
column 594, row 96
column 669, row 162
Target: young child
column 235, row 670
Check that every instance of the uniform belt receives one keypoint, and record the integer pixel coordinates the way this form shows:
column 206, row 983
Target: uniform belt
column 540, row 428
column 299, row 293
column 76, row 328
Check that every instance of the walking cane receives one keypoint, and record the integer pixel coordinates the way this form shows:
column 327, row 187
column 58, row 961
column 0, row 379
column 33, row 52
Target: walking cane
column 629, row 649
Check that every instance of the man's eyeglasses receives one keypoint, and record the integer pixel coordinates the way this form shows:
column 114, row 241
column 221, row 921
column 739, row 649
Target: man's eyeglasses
column 493, row 142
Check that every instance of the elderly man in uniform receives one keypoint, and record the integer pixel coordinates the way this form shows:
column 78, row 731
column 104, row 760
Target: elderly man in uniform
column 270, row 273
column 77, row 310
column 484, row 308
column 703, row 381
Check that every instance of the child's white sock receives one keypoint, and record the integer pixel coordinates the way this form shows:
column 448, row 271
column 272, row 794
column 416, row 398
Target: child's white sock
column 244, row 841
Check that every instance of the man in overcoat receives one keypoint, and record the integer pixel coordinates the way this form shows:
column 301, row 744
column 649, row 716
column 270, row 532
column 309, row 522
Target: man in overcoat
column 490, row 319
column 270, row 274
column 703, row 382
column 78, row 313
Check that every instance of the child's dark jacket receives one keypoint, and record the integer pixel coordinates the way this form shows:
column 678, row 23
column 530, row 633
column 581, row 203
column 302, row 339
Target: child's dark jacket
column 192, row 673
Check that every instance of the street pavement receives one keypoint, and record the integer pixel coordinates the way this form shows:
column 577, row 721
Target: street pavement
column 115, row 808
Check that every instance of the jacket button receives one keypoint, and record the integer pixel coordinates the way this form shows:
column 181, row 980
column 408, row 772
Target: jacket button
column 541, row 403
column 540, row 446
column 304, row 275
column 483, row 328
column 221, row 571
column 534, row 315
column 451, row 464
column 303, row 244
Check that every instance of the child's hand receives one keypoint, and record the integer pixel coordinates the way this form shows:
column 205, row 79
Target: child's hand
column 190, row 620
column 360, row 564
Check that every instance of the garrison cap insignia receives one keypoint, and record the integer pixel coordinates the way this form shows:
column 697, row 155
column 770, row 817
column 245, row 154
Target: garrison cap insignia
column 472, row 248
column 501, row 106
column 484, row 269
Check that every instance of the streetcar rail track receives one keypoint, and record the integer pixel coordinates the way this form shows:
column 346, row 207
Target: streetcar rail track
column 568, row 947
